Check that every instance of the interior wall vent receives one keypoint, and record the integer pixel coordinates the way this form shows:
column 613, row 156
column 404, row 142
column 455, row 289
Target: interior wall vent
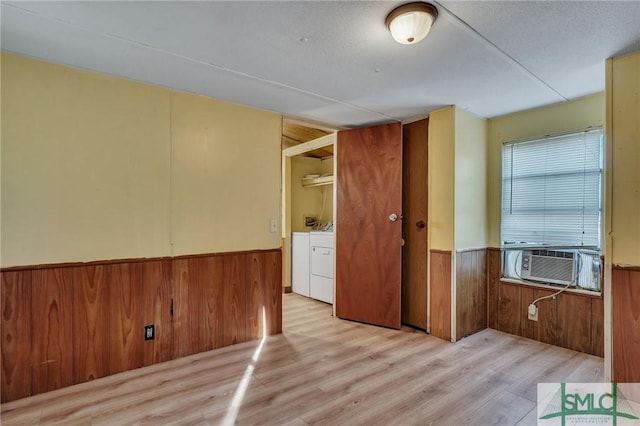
column 550, row 266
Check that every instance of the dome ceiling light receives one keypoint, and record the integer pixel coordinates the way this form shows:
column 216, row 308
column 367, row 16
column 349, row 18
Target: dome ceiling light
column 411, row 22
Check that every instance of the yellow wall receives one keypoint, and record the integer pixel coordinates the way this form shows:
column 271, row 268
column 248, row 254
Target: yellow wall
column 562, row 117
column 226, row 176
column 470, row 181
column 87, row 169
column 85, row 165
column 327, row 168
column 457, row 180
column 623, row 149
column 441, row 178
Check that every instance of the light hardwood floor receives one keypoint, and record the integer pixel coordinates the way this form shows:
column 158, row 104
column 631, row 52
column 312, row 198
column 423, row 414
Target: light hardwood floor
column 323, row 370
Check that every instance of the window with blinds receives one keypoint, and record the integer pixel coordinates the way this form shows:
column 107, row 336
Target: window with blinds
column 552, row 198
column 552, row 191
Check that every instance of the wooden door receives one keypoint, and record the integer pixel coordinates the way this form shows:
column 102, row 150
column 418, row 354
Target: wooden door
column 414, row 223
column 368, row 242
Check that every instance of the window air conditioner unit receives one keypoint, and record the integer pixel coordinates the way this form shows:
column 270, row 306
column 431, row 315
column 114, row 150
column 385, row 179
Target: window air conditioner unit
column 550, row 266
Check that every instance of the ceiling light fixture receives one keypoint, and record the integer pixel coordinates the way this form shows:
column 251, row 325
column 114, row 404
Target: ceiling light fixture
column 411, row 22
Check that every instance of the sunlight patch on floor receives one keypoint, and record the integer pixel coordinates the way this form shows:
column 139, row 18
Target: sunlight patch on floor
column 238, row 397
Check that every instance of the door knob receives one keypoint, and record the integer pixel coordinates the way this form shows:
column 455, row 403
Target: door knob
column 393, row 217
column 420, row 224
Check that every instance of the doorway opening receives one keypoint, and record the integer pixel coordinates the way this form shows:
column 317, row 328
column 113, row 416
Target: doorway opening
column 308, row 209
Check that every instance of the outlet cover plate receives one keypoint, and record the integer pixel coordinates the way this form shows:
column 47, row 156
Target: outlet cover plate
column 149, row 332
column 533, row 317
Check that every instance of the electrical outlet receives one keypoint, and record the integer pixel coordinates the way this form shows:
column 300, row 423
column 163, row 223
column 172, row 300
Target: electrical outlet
column 532, row 312
column 149, row 332
column 274, row 225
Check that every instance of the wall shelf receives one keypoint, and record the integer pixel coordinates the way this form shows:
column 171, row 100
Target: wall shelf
column 322, row 180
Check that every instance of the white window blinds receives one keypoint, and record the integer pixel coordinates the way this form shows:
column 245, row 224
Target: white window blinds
column 551, row 190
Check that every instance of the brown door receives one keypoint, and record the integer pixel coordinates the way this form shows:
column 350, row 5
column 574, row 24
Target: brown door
column 368, row 238
column 414, row 223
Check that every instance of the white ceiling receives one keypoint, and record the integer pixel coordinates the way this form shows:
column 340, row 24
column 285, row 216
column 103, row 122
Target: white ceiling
column 334, row 62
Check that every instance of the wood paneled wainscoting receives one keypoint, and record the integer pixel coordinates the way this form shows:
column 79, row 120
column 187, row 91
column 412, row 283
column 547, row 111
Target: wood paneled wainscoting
column 470, row 295
column 625, row 294
column 68, row 324
column 471, row 292
column 571, row 320
column 440, row 298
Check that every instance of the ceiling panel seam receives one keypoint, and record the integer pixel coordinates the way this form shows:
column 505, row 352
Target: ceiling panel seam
column 206, row 64
column 501, row 52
